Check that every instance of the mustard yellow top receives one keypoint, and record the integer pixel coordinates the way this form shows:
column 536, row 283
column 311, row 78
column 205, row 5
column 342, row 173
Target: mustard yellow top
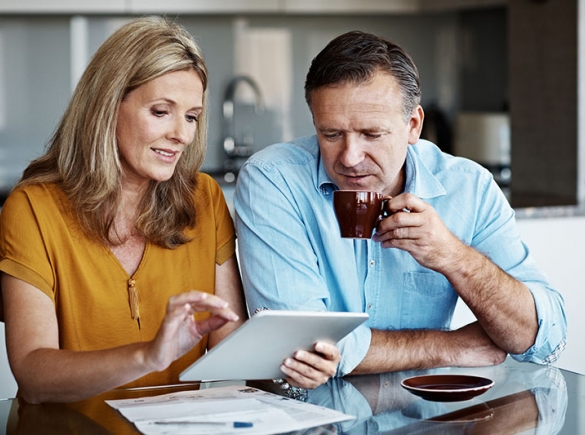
column 42, row 244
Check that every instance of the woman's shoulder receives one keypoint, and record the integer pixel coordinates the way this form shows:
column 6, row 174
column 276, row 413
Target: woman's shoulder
column 207, row 186
column 210, row 203
column 38, row 193
column 43, row 205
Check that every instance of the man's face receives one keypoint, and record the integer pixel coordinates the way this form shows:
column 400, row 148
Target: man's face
column 363, row 135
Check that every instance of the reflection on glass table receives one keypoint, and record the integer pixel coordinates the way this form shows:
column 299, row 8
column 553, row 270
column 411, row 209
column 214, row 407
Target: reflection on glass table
column 89, row 417
column 525, row 398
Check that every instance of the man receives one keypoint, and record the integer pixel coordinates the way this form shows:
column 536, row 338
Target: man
column 452, row 232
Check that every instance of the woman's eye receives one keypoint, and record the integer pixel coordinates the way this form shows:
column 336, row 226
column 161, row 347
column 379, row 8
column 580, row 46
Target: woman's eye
column 159, row 113
column 192, row 118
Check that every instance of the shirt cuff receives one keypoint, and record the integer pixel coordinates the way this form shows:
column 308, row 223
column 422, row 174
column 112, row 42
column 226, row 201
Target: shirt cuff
column 353, row 348
column 552, row 327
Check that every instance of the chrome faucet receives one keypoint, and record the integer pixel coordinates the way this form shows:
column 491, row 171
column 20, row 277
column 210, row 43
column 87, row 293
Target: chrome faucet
column 233, row 148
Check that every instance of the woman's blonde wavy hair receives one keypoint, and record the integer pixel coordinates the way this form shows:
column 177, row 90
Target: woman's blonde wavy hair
column 82, row 155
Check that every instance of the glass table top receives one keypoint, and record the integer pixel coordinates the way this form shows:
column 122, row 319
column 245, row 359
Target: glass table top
column 525, row 398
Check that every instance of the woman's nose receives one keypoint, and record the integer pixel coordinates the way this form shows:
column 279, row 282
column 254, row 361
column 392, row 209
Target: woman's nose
column 182, row 132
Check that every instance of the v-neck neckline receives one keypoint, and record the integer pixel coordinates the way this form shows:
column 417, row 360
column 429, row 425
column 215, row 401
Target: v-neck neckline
column 121, row 267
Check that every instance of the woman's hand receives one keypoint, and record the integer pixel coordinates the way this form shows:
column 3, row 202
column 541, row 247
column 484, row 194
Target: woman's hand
column 179, row 331
column 311, row 369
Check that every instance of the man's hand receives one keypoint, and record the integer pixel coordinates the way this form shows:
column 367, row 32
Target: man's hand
column 311, row 369
column 475, row 348
column 415, row 227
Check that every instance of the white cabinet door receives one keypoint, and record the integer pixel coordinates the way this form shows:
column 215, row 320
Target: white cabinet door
column 61, row 6
column 203, row 6
column 351, row 6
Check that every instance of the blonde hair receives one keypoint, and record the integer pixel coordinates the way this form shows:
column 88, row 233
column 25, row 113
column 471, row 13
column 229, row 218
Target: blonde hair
column 82, row 155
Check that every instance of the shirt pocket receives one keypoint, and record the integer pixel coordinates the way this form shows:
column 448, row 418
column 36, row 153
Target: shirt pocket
column 428, row 301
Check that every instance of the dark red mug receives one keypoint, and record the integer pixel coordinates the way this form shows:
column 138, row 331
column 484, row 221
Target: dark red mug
column 358, row 212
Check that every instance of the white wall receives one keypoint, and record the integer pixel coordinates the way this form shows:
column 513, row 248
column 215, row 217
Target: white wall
column 7, row 382
column 558, row 245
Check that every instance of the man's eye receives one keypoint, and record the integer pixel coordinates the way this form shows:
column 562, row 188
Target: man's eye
column 373, row 135
column 331, row 135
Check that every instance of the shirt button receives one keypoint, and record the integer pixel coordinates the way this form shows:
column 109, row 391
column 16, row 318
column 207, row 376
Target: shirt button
column 369, row 306
column 372, row 263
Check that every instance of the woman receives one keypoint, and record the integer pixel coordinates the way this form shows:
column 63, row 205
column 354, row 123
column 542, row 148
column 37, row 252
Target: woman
column 113, row 223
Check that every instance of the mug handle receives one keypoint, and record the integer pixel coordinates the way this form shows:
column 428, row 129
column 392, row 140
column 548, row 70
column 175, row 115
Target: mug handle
column 384, row 210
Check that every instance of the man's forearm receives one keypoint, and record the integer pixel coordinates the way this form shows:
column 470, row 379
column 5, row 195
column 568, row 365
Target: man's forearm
column 503, row 305
column 392, row 351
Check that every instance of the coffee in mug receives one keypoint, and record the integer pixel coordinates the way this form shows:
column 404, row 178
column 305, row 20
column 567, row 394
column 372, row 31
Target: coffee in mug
column 358, row 212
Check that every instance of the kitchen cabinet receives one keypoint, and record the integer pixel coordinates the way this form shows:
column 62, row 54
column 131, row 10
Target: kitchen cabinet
column 61, row 6
column 204, row 6
column 350, row 6
column 325, row 7
column 445, row 5
column 382, row 6
column 546, row 101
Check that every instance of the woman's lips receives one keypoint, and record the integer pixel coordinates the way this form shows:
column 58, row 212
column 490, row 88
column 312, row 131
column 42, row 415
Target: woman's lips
column 166, row 155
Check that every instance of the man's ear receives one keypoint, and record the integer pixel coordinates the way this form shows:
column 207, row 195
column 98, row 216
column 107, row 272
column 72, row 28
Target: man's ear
column 415, row 124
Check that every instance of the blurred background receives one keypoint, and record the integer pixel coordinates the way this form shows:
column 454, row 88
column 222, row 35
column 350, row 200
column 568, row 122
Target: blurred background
column 258, row 53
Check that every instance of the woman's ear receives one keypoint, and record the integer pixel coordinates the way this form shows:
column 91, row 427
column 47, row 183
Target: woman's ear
column 415, row 124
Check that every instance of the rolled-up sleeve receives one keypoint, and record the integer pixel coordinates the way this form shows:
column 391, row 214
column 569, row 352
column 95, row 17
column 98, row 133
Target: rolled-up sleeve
column 552, row 326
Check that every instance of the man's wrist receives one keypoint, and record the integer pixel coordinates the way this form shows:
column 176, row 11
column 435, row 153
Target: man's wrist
column 296, row 393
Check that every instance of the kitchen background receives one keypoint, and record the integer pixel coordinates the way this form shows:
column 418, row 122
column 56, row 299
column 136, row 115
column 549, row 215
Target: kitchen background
column 257, row 64
column 499, row 80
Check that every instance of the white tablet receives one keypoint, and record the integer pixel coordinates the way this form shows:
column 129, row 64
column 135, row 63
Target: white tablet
column 257, row 348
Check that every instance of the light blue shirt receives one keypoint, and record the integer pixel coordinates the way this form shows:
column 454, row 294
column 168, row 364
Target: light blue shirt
column 292, row 257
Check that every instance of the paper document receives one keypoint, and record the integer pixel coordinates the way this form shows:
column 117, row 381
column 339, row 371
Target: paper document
column 235, row 409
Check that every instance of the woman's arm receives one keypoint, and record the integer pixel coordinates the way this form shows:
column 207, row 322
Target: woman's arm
column 228, row 286
column 45, row 373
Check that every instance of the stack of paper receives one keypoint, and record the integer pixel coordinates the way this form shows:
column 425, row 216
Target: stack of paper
column 236, row 409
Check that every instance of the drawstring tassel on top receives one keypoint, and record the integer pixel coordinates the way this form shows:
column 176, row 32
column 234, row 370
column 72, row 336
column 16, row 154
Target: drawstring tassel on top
column 133, row 299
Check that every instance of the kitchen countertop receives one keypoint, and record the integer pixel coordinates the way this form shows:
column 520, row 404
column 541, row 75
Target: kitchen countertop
column 550, row 212
column 540, row 212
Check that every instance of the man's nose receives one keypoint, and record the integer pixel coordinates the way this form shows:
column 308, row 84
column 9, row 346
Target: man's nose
column 352, row 153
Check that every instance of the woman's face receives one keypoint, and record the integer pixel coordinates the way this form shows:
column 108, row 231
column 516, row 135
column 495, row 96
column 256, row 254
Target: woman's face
column 156, row 122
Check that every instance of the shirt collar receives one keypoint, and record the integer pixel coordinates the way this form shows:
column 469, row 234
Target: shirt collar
column 420, row 181
column 324, row 183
